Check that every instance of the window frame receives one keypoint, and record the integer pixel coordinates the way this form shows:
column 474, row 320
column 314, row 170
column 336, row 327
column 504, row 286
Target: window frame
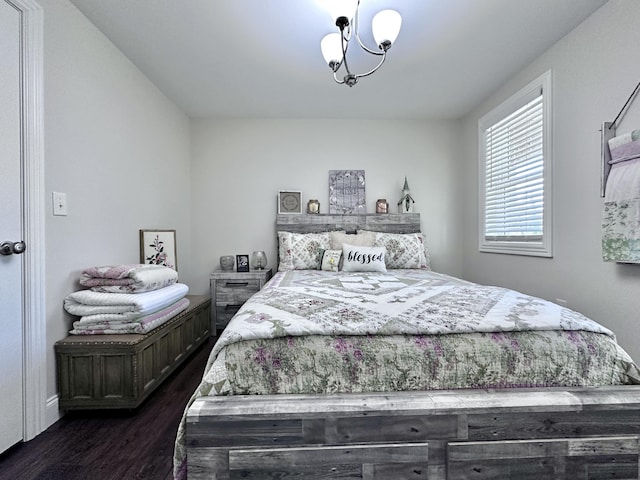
column 544, row 246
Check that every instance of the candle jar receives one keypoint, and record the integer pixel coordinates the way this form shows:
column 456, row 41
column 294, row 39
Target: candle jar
column 313, row 206
column 227, row 262
column 382, row 206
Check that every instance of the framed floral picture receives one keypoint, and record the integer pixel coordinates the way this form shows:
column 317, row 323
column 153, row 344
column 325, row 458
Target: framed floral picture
column 158, row 247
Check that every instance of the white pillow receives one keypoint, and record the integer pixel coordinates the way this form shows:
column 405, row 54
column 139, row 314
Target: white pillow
column 300, row 251
column 331, row 260
column 356, row 258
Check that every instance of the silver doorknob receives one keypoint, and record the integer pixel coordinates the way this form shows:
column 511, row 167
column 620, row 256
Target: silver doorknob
column 19, row 247
column 9, row 248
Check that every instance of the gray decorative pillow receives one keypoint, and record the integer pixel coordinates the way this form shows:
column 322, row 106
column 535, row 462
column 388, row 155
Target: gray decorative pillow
column 363, row 259
column 300, row 251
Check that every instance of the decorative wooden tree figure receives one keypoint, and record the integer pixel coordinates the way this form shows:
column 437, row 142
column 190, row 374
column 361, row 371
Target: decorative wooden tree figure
column 405, row 205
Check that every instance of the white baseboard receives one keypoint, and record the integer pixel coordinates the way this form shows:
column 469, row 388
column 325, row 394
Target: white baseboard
column 53, row 413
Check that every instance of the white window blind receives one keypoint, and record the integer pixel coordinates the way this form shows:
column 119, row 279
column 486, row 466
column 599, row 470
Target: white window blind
column 515, row 173
column 514, row 176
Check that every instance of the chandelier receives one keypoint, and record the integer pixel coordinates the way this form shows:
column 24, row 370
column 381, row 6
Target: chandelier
column 385, row 26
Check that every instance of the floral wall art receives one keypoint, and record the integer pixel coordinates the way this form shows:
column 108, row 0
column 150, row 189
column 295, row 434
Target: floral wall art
column 158, row 247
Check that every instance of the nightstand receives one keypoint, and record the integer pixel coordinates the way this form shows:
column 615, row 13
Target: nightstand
column 229, row 290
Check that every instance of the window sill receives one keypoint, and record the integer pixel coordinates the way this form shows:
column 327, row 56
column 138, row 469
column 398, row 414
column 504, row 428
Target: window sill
column 517, row 248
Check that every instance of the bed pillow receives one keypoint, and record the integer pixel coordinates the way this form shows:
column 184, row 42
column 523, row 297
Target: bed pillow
column 331, row 260
column 427, row 255
column 300, row 251
column 365, row 239
column 356, row 258
column 404, row 250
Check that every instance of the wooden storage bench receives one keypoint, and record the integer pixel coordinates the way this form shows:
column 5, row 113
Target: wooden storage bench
column 120, row 371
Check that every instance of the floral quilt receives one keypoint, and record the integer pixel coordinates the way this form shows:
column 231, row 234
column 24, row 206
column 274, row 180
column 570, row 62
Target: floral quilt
column 312, row 331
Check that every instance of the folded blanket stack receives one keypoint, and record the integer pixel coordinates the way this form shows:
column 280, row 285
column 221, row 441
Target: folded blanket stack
column 126, row 299
column 136, row 278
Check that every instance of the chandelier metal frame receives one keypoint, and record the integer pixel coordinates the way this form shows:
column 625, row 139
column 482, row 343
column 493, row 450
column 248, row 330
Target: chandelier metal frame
column 349, row 30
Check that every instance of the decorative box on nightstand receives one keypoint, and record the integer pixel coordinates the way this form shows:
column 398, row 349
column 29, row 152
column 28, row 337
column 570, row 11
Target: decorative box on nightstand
column 229, row 290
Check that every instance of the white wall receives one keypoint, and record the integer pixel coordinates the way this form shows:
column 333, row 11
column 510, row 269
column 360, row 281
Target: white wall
column 594, row 71
column 119, row 150
column 239, row 166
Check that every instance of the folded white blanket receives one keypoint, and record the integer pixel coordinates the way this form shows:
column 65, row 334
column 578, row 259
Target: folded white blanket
column 135, row 278
column 140, row 325
column 122, row 306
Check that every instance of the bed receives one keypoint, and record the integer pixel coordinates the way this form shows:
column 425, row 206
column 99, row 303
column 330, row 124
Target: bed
column 385, row 369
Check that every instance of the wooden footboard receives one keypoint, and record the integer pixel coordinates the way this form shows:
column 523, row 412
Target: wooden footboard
column 568, row 433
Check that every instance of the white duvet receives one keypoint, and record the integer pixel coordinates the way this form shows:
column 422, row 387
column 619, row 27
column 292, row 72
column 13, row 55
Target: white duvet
column 122, row 306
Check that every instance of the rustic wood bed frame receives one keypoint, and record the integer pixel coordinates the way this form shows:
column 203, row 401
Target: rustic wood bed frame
column 542, row 433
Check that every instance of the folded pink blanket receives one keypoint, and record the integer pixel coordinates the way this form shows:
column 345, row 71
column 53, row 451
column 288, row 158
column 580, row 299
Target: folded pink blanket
column 131, row 278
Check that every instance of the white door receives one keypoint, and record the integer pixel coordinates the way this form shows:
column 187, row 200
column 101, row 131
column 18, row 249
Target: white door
column 11, row 229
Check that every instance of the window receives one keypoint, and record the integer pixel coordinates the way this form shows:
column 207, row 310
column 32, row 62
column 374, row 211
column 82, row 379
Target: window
column 515, row 173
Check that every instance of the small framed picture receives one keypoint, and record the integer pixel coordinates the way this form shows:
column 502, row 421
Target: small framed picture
column 158, row 247
column 242, row 263
column 289, row 202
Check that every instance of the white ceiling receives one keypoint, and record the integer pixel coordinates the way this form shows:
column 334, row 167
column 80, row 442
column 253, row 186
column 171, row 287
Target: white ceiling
column 261, row 58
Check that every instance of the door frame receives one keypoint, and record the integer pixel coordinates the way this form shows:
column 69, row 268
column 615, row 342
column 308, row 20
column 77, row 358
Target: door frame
column 33, row 224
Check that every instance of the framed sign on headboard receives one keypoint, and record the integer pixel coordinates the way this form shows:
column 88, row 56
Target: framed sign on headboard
column 347, row 192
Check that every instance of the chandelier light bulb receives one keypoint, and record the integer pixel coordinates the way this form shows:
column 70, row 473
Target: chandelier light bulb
column 386, row 27
column 331, row 46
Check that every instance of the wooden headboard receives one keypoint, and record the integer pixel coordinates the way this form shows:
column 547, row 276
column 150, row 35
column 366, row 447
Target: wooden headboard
column 323, row 222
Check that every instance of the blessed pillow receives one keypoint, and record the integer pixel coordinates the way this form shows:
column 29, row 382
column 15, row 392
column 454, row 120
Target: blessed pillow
column 404, row 250
column 364, row 239
column 363, row 259
column 331, row 260
column 300, row 251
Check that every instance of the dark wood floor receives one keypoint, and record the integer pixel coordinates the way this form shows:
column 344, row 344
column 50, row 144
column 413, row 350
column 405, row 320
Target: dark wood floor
column 110, row 445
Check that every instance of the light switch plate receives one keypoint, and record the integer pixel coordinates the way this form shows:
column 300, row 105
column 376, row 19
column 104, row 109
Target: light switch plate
column 59, row 203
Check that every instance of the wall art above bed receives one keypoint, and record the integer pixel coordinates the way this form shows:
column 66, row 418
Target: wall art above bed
column 347, row 192
column 289, row 202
